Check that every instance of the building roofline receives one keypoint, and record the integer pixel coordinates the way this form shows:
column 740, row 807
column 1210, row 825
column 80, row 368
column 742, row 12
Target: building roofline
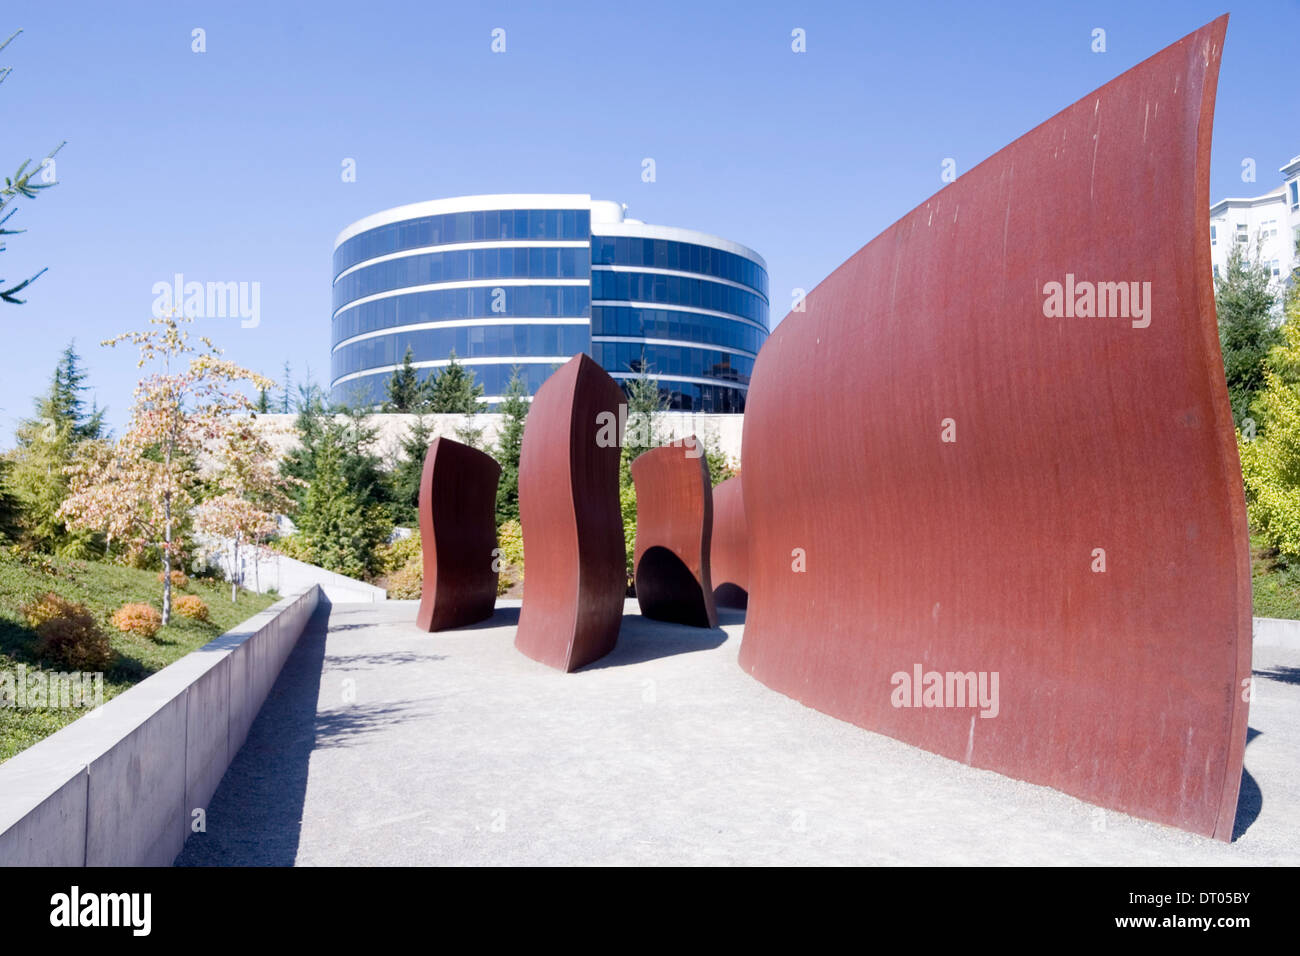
column 438, row 207
column 599, row 226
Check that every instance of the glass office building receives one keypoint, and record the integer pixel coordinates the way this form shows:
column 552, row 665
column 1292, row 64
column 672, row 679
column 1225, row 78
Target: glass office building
column 528, row 281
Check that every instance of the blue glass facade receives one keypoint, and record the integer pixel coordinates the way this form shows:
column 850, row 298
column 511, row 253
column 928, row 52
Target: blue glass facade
column 533, row 286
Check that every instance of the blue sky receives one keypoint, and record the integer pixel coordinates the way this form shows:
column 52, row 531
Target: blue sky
column 225, row 165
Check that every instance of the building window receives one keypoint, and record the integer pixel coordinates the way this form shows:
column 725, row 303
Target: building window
column 1295, row 193
column 1276, row 269
column 1213, row 238
column 1216, row 270
column 1241, row 232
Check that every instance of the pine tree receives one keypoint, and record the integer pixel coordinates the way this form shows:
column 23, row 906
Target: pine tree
column 286, row 390
column 263, row 402
column 405, row 477
column 644, row 404
column 404, row 391
column 510, row 440
column 1244, row 298
column 453, row 389
column 340, row 531
column 46, row 445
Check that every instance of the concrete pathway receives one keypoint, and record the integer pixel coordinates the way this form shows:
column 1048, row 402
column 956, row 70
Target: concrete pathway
column 383, row 745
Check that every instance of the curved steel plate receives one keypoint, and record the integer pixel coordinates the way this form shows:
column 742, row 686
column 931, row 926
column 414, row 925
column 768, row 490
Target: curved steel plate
column 674, row 522
column 457, row 511
column 574, row 558
column 729, row 549
column 1000, row 484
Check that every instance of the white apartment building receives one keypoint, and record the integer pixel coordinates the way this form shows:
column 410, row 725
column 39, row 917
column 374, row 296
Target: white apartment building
column 1273, row 218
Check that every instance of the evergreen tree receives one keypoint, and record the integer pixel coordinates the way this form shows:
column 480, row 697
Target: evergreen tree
column 404, row 391
column 46, row 445
column 340, row 531
column 405, row 476
column 510, row 441
column 453, row 389
column 352, row 438
column 286, row 390
column 263, row 402
column 1244, row 298
column 644, row 404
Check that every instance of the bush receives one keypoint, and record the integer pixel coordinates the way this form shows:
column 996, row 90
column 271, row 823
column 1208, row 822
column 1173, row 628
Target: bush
column 405, row 583
column 192, row 606
column 179, row 580
column 510, row 539
column 396, row 556
column 139, row 619
column 67, row 634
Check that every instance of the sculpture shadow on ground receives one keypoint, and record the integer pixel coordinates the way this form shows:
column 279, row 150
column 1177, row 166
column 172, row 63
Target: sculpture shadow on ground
column 1251, row 799
column 1281, row 673
column 642, row 639
column 501, row 617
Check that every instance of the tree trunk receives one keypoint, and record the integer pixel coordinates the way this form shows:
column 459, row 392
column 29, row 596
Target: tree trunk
column 167, row 559
column 235, row 574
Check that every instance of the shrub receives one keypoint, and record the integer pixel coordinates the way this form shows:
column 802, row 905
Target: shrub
column 191, row 606
column 405, row 583
column 396, row 556
column 139, row 619
column 180, row 580
column 67, row 634
column 49, row 606
column 510, row 539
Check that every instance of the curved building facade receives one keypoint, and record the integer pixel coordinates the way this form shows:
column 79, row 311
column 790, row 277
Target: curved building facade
column 528, row 281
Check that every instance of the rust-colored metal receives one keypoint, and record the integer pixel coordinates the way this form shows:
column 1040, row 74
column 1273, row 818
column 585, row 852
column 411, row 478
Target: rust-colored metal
column 574, row 558
column 674, row 522
column 729, row 551
column 457, row 511
column 942, row 474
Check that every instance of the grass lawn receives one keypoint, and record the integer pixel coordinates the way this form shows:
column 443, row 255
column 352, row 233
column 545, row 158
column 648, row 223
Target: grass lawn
column 1274, row 581
column 103, row 588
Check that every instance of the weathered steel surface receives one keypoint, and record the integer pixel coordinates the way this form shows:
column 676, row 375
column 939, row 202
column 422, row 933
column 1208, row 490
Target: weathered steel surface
column 457, row 510
column 729, row 551
column 574, row 557
column 674, row 522
column 1078, row 440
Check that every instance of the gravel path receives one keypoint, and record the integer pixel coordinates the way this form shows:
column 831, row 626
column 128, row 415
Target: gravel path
column 382, row 745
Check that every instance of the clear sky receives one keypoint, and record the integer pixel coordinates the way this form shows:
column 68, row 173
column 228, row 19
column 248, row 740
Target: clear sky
column 226, row 165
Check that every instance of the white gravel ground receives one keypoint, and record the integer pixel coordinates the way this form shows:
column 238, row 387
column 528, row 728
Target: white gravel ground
column 381, row 745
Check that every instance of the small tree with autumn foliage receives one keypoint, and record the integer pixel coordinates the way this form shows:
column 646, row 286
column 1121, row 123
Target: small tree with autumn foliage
column 141, row 489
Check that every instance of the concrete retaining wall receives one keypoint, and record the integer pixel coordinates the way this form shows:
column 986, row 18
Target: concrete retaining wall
column 1276, row 632
column 286, row 575
column 118, row 787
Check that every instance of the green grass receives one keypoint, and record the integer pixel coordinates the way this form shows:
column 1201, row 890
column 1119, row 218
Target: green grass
column 1274, row 581
column 103, row 588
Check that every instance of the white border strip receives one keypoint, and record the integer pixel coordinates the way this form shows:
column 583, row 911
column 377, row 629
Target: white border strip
column 676, row 343
column 465, row 246
column 465, row 284
column 702, row 276
column 638, row 304
column 725, row 383
column 460, row 324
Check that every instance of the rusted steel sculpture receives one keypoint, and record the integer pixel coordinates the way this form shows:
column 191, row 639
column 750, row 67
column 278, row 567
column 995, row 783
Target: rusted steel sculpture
column 728, row 553
column 576, row 565
column 458, row 535
column 1023, row 487
column 674, row 522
